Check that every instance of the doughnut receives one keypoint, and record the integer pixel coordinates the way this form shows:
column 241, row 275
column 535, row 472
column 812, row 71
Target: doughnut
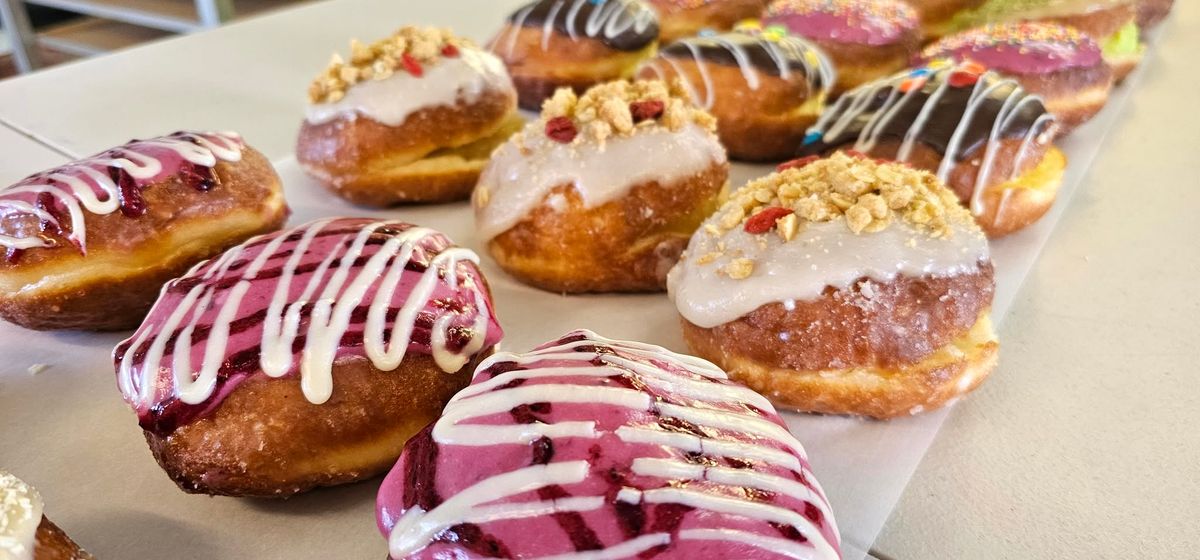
column 937, row 16
column 1150, row 13
column 1112, row 23
column 25, row 533
column 599, row 448
column 88, row 245
column 410, row 118
column 864, row 39
column 680, row 19
column 307, row 357
column 601, row 193
column 765, row 89
column 982, row 134
column 1057, row 63
column 548, row 44
column 856, row 288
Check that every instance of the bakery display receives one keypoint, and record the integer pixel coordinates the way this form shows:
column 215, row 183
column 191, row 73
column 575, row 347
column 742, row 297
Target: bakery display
column 409, row 118
column 87, row 245
column 25, row 532
column 307, row 357
column 1150, row 13
column 548, row 44
column 680, row 19
column 765, row 89
column 864, row 39
column 937, row 16
column 608, row 449
column 1057, row 63
column 1112, row 23
column 980, row 133
column 842, row 286
column 601, row 193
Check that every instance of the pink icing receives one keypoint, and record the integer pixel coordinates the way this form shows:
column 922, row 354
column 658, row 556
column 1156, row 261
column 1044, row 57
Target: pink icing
column 435, row 468
column 44, row 209
column 315, row 255
column 864, row 22
column 1019, row 48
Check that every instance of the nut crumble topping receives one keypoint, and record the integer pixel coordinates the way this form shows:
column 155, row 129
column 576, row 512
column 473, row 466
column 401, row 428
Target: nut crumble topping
column 619, row 108
column 410, row 49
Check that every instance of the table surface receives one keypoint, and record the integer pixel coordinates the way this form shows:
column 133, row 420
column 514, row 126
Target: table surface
column 1081, row 445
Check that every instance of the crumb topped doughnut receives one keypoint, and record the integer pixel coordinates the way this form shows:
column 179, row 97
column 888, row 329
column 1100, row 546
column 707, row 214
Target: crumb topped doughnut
column 865, row 39
column 681, row 19
column 981, row 133
column 246, row 362
column 765, row 89
column 605, row 449
column 409, row 118
column 842, row 286
column 548, row 44
column 88, row 245
column 602, row 191
column 25, row 533
column 1057, row 63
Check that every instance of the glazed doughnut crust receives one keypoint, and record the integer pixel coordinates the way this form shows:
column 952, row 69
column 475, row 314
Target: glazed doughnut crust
column 373, row 164
column 625, row 245
column 274, row 443
column 54, row 544
column 129, row 259
column 677, row 22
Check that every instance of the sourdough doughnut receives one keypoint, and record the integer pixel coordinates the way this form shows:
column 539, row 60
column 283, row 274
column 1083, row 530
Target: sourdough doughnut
column 982, row 134
column 88, row 245
column 25, row 533
column 548, row 44
column 1057, row 63
column 619, row 449
column 410, row 118
column 842, row 286
column 764, row 89
column 864, row 39
column 680, row 19
column 305, row 358
column 602, row 192
column 1112, row 23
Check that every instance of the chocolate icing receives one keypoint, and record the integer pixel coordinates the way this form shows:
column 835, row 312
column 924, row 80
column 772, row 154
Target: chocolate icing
column 624, row 25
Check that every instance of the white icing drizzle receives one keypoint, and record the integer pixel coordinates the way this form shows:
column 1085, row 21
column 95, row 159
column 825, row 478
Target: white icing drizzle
column 524, row 170
column 608, row 21
column 823, row 254
column 390, row 101
column 342, row 289
column 85, row 185
column 417, row 528
column 851, row 107
column 787, row 53
column 20, row 515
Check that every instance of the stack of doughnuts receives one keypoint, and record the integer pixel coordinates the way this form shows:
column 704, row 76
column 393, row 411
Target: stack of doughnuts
column 765, row 89
column 25, row 532
column 548, row 44
column 410, row 118
column 601, row 448
column 842, row 286
column 601, row 193
column 982, row 134
column 88, row 245
column 307, row 357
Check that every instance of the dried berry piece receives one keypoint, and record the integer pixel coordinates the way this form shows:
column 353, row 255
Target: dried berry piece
column 764, row 221
column 561, row 129
column 797, row 163
column 450, row 50
column 412, row 65
column 646, row 110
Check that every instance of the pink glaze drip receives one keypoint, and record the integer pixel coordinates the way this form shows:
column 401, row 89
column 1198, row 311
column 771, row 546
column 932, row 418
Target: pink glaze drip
column 618, row 500
column 55, row 202
column 1019, row 48
column 300, row 274
column 864, row 22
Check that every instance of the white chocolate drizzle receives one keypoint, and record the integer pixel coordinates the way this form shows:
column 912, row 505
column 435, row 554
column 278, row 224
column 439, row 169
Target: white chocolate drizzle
column 610, row 20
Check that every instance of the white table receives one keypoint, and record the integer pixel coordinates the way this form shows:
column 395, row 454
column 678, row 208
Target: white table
column 1079, row 447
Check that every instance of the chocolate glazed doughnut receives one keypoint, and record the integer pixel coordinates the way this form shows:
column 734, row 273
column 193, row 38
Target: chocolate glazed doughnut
column 88, row 245
column 549, row 44
column 982, row 135
column 305, row 358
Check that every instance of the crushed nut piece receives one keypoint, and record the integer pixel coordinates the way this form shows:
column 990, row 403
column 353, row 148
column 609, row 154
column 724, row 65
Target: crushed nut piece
column 739, row 268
